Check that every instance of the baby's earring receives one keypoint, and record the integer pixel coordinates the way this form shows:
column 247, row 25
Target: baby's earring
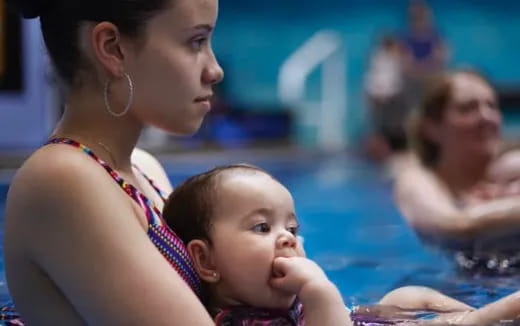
column 216, row 276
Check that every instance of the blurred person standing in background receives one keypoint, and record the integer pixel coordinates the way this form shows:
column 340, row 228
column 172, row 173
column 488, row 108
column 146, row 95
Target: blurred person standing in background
column 399, row 72
column 384, row 91
column 425, row 51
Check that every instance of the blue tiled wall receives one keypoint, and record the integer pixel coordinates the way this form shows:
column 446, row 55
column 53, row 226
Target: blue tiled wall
column 254, row 37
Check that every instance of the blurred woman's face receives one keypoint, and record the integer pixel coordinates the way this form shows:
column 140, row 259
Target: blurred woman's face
column 472, row 120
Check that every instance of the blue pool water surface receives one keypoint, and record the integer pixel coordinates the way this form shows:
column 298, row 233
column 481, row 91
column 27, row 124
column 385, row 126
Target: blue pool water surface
column 351, row 227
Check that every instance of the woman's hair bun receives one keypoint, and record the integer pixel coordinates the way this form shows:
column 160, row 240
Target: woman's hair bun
column 31, row 8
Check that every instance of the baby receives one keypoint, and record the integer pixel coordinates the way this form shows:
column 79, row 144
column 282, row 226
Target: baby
column 240, row 228
column 502, row 180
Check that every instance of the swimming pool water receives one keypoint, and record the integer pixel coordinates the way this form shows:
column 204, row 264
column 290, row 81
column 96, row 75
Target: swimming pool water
column 350, row 225
column 353, row 229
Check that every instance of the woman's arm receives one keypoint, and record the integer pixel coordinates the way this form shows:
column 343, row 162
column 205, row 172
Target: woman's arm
column 85, row 234
column 430, row 209
column 505, row 309
column 422, row 298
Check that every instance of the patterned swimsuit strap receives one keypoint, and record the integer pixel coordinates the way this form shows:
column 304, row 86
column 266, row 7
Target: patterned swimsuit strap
column 165, row 239
column 151, row 212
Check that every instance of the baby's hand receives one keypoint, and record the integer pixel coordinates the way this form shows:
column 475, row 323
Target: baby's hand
column 293, row 274
column 321, row 299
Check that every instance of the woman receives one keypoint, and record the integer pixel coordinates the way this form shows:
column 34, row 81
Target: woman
column 448, row 199
column 82, row 246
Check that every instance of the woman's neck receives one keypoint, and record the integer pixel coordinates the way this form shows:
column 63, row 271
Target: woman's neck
column 462, row 173
column 87, row 121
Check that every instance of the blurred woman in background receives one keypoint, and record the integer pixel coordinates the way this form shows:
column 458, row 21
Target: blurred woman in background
column 450, row 198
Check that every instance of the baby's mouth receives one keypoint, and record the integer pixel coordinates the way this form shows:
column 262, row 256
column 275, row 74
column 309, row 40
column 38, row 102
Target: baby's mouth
column 287, row 253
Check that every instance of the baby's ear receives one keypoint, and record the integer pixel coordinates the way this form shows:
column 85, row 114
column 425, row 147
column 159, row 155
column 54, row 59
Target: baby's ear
column 200, row 253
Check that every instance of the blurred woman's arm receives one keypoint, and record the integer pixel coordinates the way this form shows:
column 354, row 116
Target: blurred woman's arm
column 432, row 211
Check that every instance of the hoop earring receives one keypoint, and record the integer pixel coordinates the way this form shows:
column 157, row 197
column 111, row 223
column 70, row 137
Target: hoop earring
column 130, row 97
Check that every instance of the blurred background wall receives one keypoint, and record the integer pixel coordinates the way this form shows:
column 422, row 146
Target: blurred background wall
column 254, row 38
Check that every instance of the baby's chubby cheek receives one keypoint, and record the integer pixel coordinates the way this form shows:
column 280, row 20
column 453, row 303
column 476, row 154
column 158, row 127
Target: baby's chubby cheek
column 299, row 248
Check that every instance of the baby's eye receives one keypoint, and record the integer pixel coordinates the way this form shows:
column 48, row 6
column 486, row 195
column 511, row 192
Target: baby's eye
column 261, row 227
column 294, row 229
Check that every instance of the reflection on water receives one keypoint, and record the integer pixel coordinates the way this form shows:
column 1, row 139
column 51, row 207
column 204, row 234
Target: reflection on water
column 489, row 262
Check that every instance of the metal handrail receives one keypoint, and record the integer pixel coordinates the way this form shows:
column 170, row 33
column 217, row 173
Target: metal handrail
column 326, row 49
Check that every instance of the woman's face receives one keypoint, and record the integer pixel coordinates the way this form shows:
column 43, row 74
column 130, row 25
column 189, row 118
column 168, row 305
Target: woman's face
column 174, row 70
column 472, row 120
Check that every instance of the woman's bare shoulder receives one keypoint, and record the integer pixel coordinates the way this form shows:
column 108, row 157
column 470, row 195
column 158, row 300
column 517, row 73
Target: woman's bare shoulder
column 425, row 201
column 152, row 168
column 53, row 165
column 79, row 225
column 415, row 177
column 57, row 179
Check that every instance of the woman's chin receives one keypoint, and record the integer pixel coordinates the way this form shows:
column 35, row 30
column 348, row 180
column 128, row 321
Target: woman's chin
column 184, row 131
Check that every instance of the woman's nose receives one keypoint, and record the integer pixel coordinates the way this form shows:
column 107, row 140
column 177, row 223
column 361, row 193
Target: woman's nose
column 489, row 113
column 214, row 73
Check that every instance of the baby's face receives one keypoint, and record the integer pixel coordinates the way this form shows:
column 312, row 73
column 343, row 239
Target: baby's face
column 254, row 222
column 506, row 168
column 502, row 179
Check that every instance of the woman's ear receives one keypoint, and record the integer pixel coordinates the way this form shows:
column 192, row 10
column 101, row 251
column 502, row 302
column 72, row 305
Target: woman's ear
column 200, row 253
column 107, row 47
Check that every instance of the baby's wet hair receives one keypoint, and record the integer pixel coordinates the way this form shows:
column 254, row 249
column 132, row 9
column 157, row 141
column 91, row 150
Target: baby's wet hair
column 190, row 207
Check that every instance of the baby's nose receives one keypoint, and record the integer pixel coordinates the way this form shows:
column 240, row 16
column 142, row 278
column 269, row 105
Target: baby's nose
column 287, row 240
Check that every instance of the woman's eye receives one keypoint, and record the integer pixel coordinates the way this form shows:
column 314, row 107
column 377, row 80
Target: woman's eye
column 466, row 108
column 262, row 227
column 294, row 229
column 199, row 43
column 493, row 105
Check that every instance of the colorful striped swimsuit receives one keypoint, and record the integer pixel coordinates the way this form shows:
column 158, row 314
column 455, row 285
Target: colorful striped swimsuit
column 166, row 241
column 251, row 316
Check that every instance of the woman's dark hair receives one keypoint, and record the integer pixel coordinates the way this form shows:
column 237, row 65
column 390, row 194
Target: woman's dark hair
column 190, row 207
column 60, row 21
column 433, row 107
